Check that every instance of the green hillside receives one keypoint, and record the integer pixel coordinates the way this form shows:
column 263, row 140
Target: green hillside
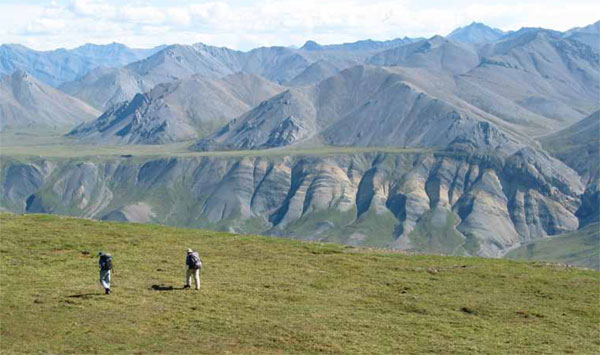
column 270, row 295
column 581, row 248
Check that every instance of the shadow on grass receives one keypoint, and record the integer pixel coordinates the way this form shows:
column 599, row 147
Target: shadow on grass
column 86, row 295
column 165, row 288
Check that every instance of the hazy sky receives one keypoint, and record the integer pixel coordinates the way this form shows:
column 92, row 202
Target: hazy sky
column 245, row 24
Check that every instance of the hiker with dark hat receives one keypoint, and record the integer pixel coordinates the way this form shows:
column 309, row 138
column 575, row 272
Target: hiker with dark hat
column 105, row 262
column 194, row 264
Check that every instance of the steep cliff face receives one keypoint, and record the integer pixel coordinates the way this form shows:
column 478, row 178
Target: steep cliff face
column 442, row 202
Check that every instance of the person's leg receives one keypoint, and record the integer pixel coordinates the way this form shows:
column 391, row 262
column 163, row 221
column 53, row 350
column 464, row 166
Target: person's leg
column 197, row 278
column 105, row 279
column 188, row 277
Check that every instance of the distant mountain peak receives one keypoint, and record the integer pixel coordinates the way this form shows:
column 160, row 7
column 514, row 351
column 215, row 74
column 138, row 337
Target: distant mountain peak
column 311, row 45
column 437, row 39
column 476, row 33
column 94, row 45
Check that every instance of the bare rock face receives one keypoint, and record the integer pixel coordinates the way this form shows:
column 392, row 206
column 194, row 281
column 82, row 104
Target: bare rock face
column 77, row 189
column 23, row 180
column 444, row 202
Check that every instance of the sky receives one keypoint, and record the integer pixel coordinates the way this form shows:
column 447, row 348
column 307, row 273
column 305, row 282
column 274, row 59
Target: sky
column 245, row 24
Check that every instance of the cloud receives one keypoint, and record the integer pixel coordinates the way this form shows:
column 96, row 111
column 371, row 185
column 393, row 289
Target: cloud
column 244, row 24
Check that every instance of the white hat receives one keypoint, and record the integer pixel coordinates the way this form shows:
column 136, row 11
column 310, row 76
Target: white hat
column 190, row 250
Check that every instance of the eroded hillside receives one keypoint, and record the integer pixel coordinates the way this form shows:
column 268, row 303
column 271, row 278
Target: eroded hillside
column 442, row 202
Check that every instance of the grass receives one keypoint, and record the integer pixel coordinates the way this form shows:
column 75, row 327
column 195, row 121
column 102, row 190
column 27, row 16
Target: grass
column 272, row 295
column 56, row 145
column 581, row 248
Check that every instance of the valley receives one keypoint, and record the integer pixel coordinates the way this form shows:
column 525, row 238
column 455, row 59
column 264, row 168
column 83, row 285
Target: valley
column 418, row 199
column 475, row 144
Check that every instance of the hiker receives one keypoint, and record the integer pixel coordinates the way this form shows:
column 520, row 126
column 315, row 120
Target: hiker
column 194, row 264
column 105, row 262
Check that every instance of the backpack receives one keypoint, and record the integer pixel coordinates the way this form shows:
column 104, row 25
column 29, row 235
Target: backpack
column 106, row 262
column 196, row 260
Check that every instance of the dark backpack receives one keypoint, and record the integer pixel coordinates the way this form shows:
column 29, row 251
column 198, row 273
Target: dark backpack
column 106, row 262
column 196, row 260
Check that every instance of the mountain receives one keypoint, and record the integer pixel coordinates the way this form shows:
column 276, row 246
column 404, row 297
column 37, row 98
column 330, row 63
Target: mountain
column 107, row 87
column 315, row 73
column 361, row 106
column 177, row 111
column 425, row 201
column 279, row 64
column 62, row 65
column 547, row 83
column 578, row 146
column 434, row 146
column 180, row 61
column 368, row 45
column 437, row 53
column 282, row 120
column 347, row 55
column 536, row 79
column 589, row 35
column 27, row 102
column 103, row 87
column 475, row 33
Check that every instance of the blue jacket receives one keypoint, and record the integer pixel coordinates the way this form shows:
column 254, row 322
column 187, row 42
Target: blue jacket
column 189, row 261
column 103, row 261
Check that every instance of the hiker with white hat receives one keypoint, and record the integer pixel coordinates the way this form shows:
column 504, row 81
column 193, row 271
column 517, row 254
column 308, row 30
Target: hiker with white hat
column 194, row 264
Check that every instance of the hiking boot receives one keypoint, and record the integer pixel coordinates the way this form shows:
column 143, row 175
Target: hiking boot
column 107, row 291
column 186, row 286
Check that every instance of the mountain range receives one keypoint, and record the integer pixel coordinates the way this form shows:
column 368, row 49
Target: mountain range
column 171, row 112
column 494, row 137
column 61, row 65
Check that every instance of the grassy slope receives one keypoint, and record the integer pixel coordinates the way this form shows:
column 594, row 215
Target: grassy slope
column 266, row 295
column 581, row 248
